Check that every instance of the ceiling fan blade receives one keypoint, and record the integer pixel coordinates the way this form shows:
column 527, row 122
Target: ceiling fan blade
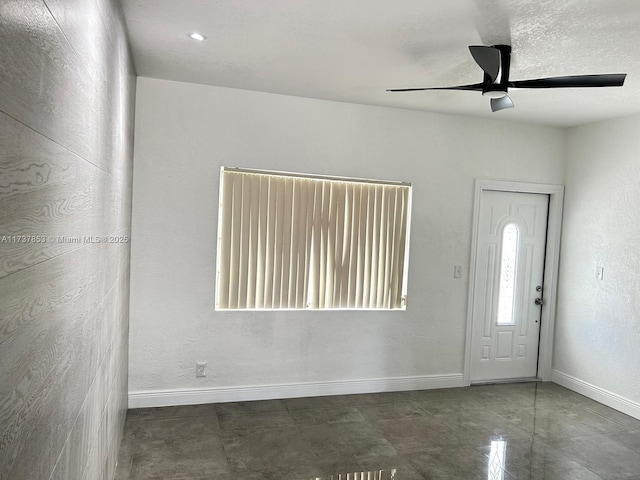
column 488, row 58
column 475, row 86
column 501, row 103
column 605, row 80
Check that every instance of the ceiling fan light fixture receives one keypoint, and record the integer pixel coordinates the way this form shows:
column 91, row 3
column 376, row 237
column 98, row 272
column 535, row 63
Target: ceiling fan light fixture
column 498, row 104
column 494, row 93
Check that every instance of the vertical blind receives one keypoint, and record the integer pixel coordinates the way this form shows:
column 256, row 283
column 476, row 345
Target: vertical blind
column 288, row 241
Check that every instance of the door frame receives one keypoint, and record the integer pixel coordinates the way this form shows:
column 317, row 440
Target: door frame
column 551, row 263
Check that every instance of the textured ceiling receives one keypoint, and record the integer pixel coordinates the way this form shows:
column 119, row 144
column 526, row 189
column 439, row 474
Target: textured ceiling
column 352, row 50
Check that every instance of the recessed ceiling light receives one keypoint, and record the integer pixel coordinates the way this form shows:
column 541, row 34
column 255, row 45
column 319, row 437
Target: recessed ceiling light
column 197, row 36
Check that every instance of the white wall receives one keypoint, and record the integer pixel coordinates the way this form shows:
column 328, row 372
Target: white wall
column 597, row 347
column 185, row 132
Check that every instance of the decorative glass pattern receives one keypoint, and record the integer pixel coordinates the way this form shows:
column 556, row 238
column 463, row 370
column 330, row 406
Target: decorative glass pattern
column 497, row 459
column 508, row 269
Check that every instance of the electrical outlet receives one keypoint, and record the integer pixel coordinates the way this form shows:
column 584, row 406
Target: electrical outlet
column 201, row 369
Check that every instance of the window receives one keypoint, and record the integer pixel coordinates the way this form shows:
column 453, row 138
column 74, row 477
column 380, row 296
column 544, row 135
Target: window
column 290, row 241
column 508, row 270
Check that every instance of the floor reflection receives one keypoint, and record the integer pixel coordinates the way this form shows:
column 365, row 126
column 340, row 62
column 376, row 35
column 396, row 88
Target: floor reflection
column 371, row 475
column 497, row 459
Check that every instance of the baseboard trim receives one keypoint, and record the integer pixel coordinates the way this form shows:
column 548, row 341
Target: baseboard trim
column 194, row 396
column 598, row 394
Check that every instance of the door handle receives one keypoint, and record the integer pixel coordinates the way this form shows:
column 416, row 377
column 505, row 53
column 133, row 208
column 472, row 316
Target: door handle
column 538, row 301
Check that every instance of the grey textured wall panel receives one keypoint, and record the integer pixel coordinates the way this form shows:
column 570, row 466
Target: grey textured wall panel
column 67, row 91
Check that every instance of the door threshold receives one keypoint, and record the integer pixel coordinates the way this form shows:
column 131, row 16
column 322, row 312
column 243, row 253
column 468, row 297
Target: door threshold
column 507, row 380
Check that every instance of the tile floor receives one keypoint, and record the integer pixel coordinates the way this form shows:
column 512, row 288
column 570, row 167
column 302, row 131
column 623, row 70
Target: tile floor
column 530, row 431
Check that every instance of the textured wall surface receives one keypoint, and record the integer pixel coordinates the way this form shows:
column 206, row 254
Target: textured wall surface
column 67, row 89
column 185, row 132
column 598, row 321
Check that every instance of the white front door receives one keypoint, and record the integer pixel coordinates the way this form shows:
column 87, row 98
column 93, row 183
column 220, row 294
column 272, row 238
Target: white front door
column 512, row 231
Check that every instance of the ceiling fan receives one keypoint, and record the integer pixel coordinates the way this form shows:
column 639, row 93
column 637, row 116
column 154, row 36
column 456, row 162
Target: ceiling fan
column 495, row 62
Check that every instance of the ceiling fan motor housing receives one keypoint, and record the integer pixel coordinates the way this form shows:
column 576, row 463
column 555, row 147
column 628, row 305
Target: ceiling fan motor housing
column 497, row 87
